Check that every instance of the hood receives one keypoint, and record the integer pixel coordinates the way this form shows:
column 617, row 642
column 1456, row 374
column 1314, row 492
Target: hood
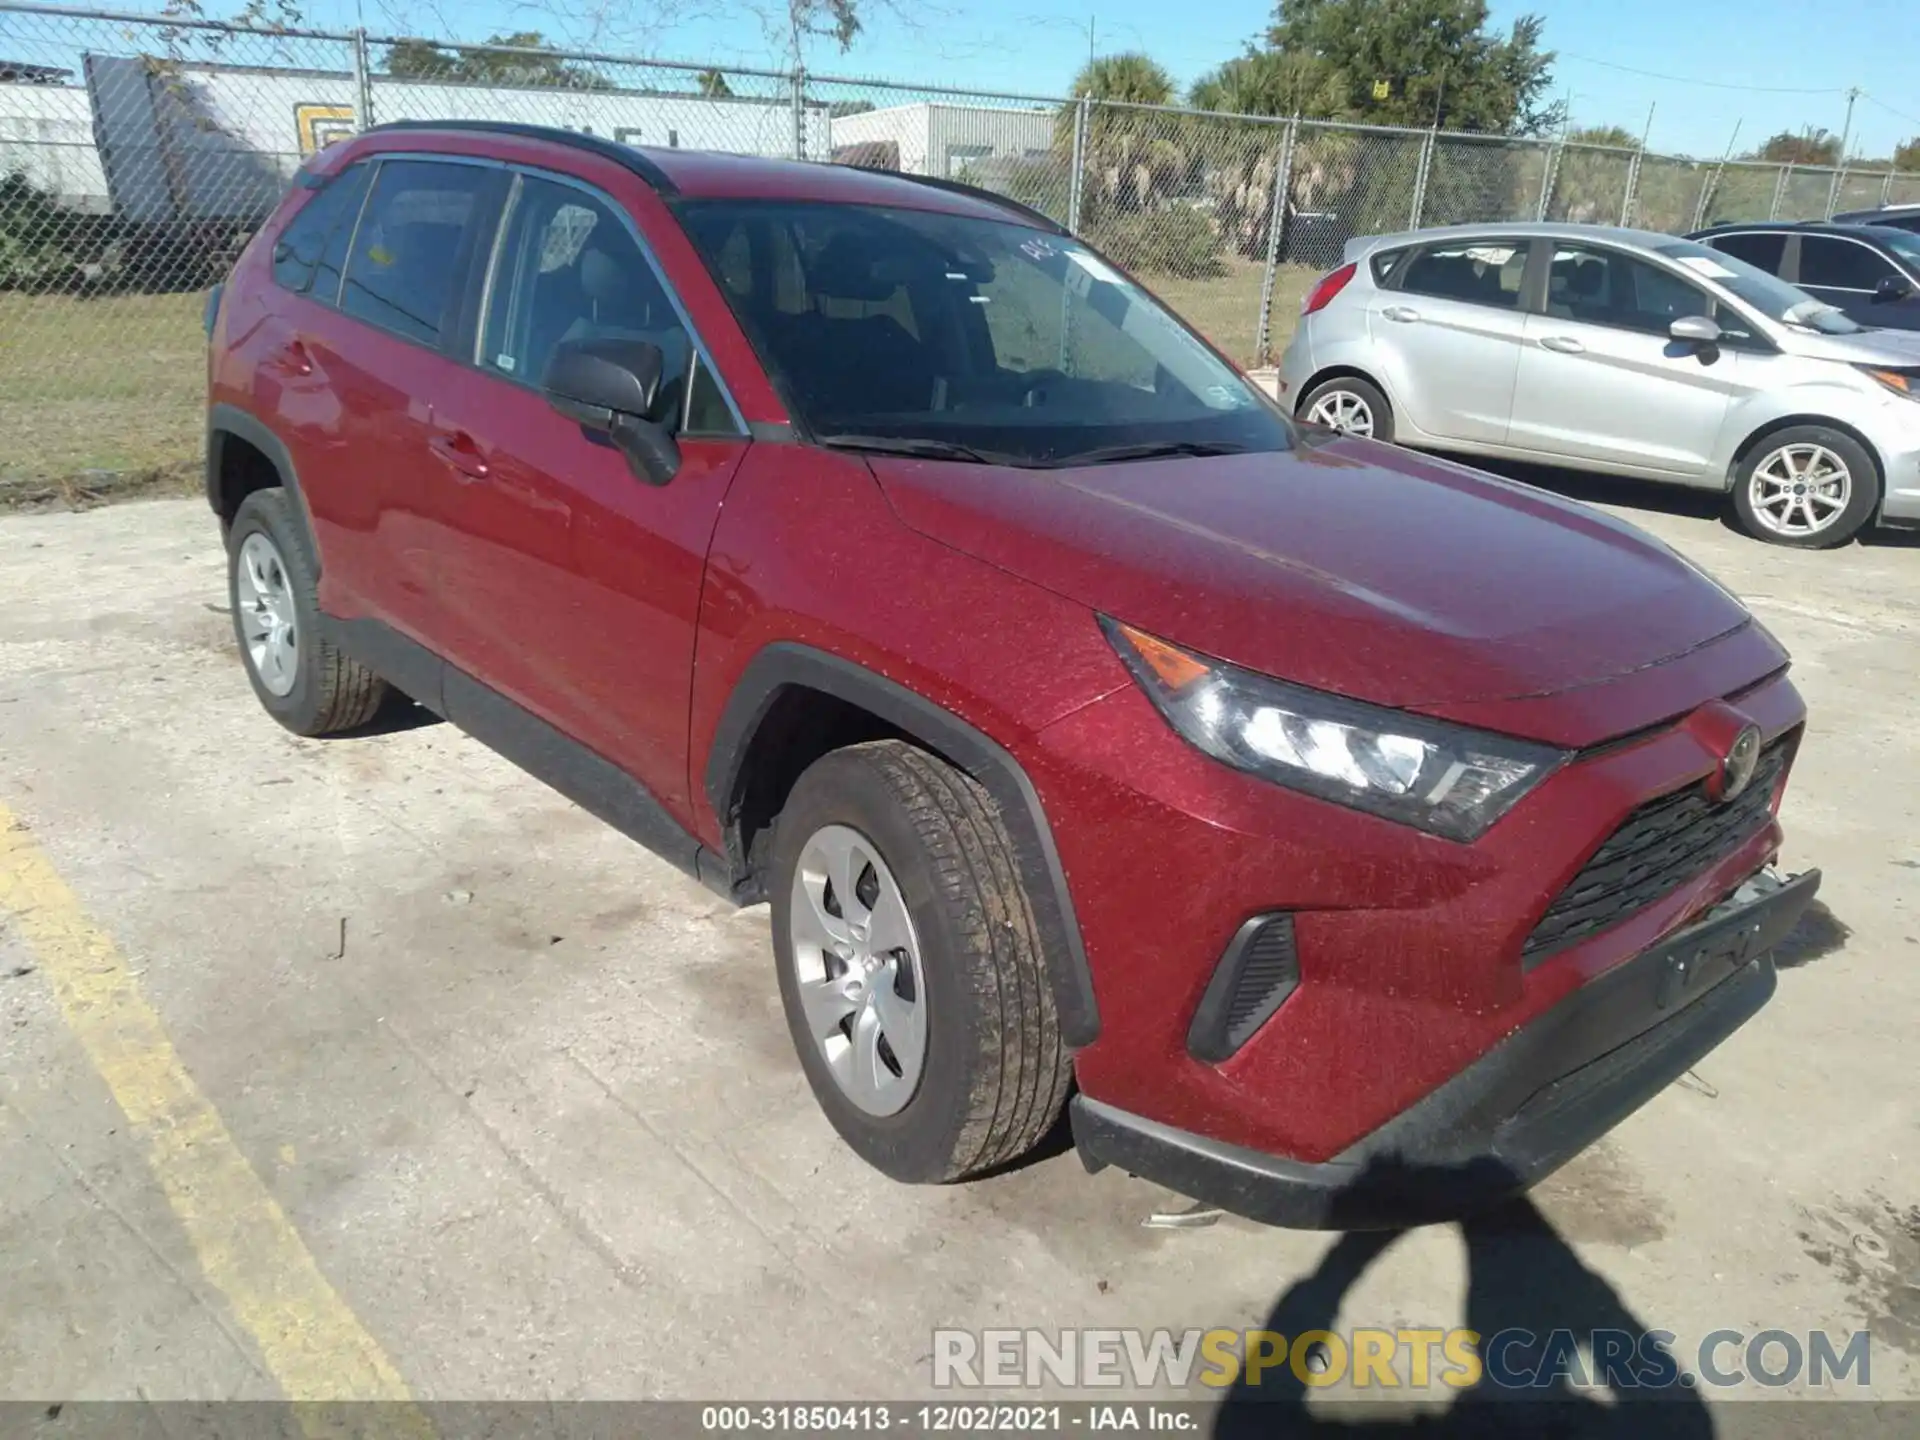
column 1869, row 347
column 1346, row 565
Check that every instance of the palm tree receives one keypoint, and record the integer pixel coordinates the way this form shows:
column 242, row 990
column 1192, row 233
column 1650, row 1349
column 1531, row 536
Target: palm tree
column 1132, row 78
column 1132, row 155
column 1241, row 161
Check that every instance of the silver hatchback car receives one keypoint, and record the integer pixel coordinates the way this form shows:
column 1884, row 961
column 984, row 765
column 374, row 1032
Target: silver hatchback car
column 1620, row 351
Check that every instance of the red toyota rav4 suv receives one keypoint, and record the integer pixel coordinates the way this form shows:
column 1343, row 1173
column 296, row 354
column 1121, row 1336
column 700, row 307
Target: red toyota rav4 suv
column 1359, row 835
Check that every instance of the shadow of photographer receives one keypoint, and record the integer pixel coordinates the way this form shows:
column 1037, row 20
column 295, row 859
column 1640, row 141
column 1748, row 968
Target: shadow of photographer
column 1529, row 1298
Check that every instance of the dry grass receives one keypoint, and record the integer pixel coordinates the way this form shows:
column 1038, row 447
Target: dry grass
column 1226, row 308
column 113, row 383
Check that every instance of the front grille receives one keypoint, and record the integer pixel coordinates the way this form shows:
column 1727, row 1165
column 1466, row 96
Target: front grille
column 1656, row 850
column 1260, row 969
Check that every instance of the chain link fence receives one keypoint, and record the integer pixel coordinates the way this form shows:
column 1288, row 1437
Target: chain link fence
column 138, row 153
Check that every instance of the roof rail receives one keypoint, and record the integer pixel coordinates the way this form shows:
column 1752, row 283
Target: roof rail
column 623, row 155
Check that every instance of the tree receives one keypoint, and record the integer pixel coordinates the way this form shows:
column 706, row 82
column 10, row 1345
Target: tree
column 1419, row 63
column 714, row 85
column 421, row 60
column 1906, row 155
column 1268, row 82
column 1613, row 137
column 1812, row 146
column 835, row 20
column 1135, row 159
column 1131, row 155
column 501, row 60
column 1132, row 78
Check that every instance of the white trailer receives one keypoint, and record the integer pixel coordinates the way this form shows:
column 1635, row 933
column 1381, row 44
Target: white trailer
column 928, row 138
column 151, row 140
column 46, row 137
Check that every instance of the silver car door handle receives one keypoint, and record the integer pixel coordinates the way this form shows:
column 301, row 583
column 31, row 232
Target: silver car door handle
column 1402, row 313
column 1565, row 344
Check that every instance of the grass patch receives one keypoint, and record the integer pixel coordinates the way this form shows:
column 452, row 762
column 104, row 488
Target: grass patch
column 1226, row 308
column 114, row 383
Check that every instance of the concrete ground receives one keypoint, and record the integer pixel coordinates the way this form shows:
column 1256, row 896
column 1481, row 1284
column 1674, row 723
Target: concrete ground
column 369, row 1067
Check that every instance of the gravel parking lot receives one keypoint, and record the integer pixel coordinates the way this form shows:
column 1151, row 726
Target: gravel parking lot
column 369, row 1067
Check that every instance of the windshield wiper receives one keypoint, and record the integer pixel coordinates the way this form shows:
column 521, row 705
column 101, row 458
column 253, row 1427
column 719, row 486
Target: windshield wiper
column 1151, row 450
column 910, row 445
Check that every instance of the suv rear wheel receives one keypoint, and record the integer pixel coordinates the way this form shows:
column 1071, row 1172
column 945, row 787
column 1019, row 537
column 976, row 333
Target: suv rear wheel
column 1809, row 486
column 910, row 966
column 305, row 683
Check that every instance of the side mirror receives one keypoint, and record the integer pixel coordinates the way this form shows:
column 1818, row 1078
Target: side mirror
column 611, row 386
column 1892, row 287
column 1695, row 330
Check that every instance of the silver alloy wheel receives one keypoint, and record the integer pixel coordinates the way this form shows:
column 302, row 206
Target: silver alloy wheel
column 857, row 964
column 263, row 600
column 1800, row 489
column 1344, row 411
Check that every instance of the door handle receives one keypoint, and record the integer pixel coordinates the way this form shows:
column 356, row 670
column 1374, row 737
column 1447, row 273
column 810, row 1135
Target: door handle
column 1565, row 344
column 1405, row 314
column 459, row 454
column 295, row 359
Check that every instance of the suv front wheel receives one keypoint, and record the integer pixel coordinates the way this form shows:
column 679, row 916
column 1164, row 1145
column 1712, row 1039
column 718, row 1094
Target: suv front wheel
column 910, row 965
column 306, row 683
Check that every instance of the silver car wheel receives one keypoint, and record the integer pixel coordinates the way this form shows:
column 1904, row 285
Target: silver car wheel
column 1344, row 411
column 263, row 600
column 1800, row 490
column 857, row 963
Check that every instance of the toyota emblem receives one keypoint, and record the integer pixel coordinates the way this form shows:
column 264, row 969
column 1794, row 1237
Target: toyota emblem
column 1736, row 770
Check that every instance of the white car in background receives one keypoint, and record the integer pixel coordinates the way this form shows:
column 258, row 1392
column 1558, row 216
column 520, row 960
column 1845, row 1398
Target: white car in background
column 1620, row 351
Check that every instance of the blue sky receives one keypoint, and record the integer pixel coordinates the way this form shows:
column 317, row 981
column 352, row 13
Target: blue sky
column 1769, row 64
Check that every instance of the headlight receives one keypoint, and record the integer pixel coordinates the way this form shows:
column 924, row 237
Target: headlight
column 1437, row 777
column 1901, row 382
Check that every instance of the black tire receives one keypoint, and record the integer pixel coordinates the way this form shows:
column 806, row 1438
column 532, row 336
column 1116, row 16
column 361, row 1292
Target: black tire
column 1863, row 490
column 330, row 691
column 996, row 1072
column 1365, row 391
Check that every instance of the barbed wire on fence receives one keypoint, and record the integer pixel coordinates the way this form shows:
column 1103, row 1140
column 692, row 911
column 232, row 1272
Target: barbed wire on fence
column 137, row 154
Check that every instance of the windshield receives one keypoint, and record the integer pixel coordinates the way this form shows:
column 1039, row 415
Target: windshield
column 1903, row 243
column 968, row 339
column 1771, row 296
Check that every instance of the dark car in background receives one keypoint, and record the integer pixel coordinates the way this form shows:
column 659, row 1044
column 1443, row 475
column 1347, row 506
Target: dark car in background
column 1896, row 217
column 1869, row 272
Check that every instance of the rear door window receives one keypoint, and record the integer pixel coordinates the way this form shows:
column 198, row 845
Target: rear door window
column 1828, row 262
column 1762, row 249
column 407, row 252
column 327, row 215
column 1480, row 272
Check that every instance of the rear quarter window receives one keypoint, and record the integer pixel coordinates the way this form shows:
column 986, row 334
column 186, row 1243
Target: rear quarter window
column 1386, row 263
column 1479, row 272
column 329, row 212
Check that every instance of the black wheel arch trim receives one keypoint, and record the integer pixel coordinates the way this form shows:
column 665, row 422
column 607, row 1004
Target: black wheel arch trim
column 784, row 665
column 224, row 420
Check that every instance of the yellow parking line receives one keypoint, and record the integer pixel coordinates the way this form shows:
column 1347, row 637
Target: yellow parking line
column 309, row 1339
